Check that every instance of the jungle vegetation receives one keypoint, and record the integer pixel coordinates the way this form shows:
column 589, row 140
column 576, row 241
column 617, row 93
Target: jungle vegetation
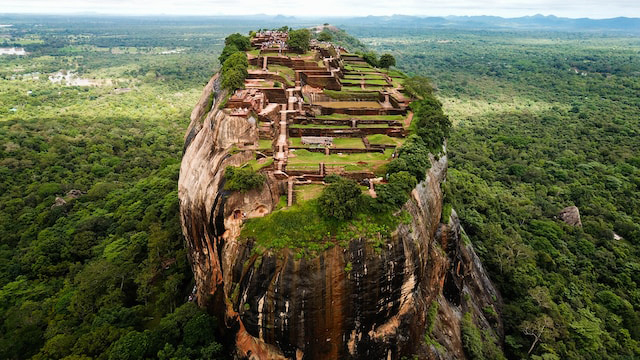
column 541, row 121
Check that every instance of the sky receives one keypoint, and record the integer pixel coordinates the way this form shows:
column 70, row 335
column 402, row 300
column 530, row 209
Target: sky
column 597, row 9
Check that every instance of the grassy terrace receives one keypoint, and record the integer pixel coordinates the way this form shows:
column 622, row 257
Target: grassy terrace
column 355, row 89
column 383, row 125
column 260, row 164
column 349, row 104
column 285, row 71
column 307, row 192
column 381, row 139
column 351, row 162
column 265, row 144
column 351, row 82
column 318, row 126
column 359, row 94
column 394, row 73
column 362, row 117
column 303, row 229
column 376, row 82
column 366, row 76
column 348, row 143
column 296, row 142
column 376, row 88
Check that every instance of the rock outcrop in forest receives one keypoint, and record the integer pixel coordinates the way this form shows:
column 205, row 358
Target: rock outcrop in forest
column 418, row 291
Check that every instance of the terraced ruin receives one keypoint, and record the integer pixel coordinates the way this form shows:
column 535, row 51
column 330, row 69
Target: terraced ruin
column 322, row 112
column 311, row 201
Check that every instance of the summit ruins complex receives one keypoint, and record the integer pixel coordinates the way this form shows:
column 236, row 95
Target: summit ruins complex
column 366, row 288
column 324, row 101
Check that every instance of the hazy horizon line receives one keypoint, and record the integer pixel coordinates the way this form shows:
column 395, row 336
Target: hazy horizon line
column 97, row 13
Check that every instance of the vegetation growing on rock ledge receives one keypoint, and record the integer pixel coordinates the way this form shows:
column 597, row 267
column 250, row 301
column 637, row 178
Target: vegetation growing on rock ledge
column 234, row 62
column 242, row 178
column 304, row 229
column 341, row 199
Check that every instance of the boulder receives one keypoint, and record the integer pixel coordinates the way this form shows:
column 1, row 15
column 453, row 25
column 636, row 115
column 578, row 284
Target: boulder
column 59, row 202
column 571, row 216
column 74, row 193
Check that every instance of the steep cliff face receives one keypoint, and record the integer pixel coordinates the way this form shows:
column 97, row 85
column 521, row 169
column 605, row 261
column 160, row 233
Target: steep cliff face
column 353, row 302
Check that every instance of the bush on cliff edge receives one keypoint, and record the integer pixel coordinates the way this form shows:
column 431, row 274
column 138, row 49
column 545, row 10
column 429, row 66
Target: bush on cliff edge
column 242, row 179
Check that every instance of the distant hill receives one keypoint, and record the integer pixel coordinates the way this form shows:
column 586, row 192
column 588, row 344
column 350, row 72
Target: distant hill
column 536, row 22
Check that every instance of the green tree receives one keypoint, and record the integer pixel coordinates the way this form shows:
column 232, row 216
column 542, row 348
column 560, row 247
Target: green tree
column 371, row 58
column 387, row 60
column 539, row 328
column 325, row 35
column 233, row 79
column 418, row 86
column 236, row 60
column 241, row 42
column 234, row 71
column 341, row 200
column 242, row 179
column 430, row 122
column 299, row 40
column 394, row 194
column 129, row 347
column 226, row 52
column 413, row 157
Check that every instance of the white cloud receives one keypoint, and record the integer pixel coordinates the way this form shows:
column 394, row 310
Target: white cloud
column 508, row 8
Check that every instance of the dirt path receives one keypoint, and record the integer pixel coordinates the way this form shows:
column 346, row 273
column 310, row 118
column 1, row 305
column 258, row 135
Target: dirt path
column 407, row 121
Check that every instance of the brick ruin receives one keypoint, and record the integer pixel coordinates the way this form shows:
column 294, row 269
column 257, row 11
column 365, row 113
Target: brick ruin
column 323, row 102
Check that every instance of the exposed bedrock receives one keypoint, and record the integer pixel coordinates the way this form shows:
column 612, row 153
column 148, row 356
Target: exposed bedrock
column 357, row 302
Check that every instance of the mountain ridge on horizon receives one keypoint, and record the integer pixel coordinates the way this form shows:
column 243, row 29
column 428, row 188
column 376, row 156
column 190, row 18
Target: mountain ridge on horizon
column 528, row 22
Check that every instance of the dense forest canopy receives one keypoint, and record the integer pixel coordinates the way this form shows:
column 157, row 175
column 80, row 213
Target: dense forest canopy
column 542, row 120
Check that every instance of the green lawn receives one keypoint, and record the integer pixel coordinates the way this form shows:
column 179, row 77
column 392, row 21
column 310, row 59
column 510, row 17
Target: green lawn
column 286, row 72
column 376, row 82
column 363, row 117
column 352, row 88
column 374, row 87
column 265, row 144
column 260, row 164
column 381, row 125
column 307, row 192
column 296, row 142
column 349, row 143
column 282, row 70
column 367, row 161
column 317, row 126
column 381, row 139
column 373, row 76
column 349, row 95
column 349, row 104
column 303, row 228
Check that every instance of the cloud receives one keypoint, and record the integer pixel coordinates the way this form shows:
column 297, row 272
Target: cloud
column 568, row 8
